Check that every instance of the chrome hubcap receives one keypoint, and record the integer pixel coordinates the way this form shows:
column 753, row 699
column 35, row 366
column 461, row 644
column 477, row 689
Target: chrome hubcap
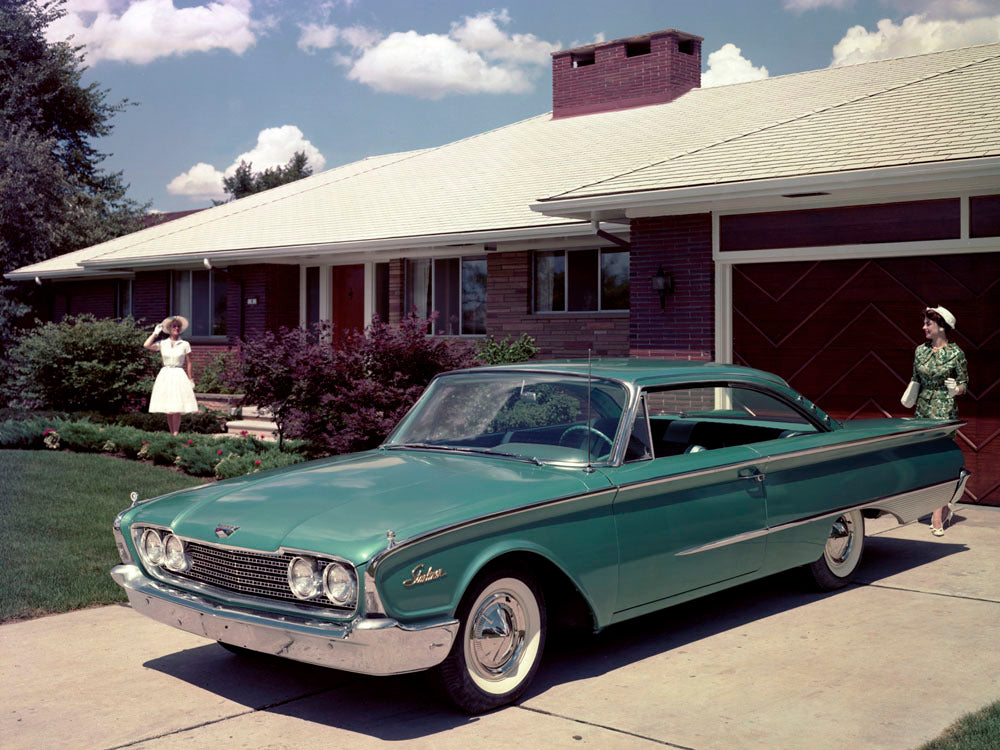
column 497, row 635
column 841, row 541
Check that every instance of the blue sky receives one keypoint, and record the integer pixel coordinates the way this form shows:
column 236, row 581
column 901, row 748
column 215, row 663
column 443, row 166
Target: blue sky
column 345, row 79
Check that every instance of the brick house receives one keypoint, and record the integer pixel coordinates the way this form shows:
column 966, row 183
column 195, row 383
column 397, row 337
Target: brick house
column 798, row 224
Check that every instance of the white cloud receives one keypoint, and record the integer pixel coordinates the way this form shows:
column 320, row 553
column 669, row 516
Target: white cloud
column 476, row 56
column 431, row 66
column 481, row 33
column 915, row 35
column 804, row 5
column 201, row 182
column 727, row 65
column 315, row 36
column 149, row 29
column 275, row 147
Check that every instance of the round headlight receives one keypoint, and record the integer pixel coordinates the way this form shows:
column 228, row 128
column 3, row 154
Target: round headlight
column 340, row 585
column 173, row 555
column 303, row 578
column 151, row 547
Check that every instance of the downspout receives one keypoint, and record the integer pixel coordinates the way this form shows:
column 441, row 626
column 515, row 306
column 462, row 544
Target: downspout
column 608, row 236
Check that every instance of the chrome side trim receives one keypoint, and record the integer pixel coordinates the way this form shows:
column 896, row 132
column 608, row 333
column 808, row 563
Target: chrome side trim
column 905, row 506
column 377, row 646
column 378, row 559
column 792, row 454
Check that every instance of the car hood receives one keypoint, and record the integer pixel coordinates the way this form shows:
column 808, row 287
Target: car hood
column 345, row 505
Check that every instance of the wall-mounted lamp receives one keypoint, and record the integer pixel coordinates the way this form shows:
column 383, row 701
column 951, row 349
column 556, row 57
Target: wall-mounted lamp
column 662, row 282
column 207, row 263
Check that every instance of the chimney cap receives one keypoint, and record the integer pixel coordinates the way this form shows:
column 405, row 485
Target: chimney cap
column 637, row 38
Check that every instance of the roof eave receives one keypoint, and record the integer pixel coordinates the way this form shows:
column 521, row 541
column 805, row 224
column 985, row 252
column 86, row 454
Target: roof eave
column 782, row 193
column 294, row 252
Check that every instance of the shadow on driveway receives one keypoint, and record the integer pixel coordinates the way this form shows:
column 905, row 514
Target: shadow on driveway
column 408, row 707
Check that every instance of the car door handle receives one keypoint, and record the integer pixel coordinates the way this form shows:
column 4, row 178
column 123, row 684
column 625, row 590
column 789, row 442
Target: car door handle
column 752, row 473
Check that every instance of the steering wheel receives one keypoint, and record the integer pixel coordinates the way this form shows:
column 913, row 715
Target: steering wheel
column 585, row 428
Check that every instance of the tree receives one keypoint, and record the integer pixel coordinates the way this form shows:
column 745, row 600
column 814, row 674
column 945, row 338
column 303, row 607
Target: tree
column 54, row 195
column 246, row 182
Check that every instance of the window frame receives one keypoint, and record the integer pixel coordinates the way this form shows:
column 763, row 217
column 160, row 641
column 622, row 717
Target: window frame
column 189, row 313
column 408, row 295
column 120, row 308
column 566, row 288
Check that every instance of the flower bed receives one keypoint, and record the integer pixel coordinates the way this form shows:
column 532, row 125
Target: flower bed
column 196, row 455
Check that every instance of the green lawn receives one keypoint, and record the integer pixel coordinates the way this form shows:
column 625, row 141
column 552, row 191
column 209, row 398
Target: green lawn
column 56, row 511
column 975, row 731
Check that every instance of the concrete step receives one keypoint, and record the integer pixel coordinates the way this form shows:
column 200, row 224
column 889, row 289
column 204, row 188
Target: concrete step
column 256, row 427
column 256, row 412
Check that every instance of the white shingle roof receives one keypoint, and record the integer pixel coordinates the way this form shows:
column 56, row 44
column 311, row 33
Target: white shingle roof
column 929, row 107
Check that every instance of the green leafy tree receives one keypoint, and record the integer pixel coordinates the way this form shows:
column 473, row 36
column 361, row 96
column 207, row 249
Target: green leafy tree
column 246, row 182
column 54, row 194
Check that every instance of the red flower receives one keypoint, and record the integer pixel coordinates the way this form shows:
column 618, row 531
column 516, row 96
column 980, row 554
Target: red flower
column 257, row 462
column 243, row 433
column 190, row 442
column 261, row 437
column 220, row 451
column 145, row 442
column 48, row 431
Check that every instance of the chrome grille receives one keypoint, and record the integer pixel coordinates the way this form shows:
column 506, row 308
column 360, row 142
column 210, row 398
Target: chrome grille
column 252, row 573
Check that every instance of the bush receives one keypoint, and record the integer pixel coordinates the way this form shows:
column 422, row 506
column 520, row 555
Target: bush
column 235, row 465
column 83, row 363
column 493, row 352
column 215, row 377
column 346, row 396
column 202, row 422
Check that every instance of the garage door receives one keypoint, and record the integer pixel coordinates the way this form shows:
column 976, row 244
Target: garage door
column 843, row 332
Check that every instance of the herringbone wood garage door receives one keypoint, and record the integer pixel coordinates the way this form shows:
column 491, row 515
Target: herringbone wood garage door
column 843, row 332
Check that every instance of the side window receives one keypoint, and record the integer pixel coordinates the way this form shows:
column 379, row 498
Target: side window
column 690, row 420
column 639, row 447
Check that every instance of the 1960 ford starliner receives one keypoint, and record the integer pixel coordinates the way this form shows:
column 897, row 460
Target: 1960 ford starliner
column 511, row 499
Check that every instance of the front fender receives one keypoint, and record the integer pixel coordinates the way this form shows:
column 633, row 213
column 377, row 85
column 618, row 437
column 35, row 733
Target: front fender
column 427, row 577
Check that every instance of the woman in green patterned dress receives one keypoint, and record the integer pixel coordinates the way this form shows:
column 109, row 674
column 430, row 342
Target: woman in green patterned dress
column 940, row 370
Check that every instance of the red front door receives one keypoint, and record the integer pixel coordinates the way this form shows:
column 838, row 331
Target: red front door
column 348, row 293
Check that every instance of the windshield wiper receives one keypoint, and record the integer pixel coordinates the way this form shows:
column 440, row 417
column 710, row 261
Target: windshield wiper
column 463, row 449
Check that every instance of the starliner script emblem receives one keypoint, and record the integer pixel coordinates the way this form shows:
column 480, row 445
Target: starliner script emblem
column 422, row 574
column 224, row 532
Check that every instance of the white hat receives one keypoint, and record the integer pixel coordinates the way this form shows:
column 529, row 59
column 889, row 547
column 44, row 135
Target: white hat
column 945, row 314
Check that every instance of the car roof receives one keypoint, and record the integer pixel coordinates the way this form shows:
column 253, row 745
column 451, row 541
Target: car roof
column 640, row 371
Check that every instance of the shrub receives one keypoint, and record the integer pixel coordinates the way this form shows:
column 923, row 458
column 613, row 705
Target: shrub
column 216, row 374
column 26, row 434
column 83, row 363
column 349, row 395
column 493, row 352
column 203, row 422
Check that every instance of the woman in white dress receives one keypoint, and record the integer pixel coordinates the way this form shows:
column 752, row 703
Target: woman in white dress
column 173, row 390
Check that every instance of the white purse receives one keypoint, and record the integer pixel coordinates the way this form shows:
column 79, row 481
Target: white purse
column 910, row 394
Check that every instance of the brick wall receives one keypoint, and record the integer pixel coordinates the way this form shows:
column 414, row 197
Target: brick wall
column 615, row 80
column 508, row 306
column 151, row 296
column 683, row 246
column 274, row 291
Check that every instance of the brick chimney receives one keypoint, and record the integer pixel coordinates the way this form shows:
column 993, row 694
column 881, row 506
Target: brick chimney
column 646, row 69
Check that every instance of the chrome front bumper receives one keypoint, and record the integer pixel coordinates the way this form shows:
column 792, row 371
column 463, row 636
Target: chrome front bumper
column 378, row 646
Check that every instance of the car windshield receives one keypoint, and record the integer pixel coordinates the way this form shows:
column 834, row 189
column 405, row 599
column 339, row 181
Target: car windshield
column 531, row 416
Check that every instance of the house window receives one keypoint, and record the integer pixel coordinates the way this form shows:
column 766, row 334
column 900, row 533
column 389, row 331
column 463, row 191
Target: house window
column 123, row 298
column 455, row 288
column 312, row 296
column 581, row 280
column 200, row 296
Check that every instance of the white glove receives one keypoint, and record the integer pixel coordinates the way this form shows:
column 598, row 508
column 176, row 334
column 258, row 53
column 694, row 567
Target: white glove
column 158, row 329
column 952, row 385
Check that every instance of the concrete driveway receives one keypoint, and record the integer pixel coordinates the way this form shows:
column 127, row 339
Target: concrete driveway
column 886, row 663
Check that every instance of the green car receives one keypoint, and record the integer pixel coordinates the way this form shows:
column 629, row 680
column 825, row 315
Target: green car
column 517, row 498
